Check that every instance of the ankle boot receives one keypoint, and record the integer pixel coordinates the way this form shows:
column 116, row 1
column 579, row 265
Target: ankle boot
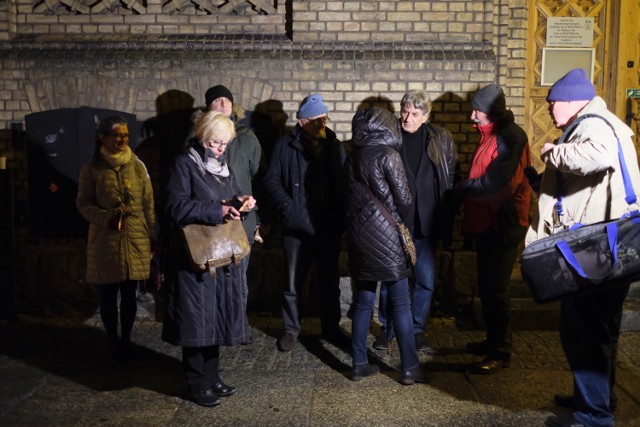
column 363, row 370
column 412, row 376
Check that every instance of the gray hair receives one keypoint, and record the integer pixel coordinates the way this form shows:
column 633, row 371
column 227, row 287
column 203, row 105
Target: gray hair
column 419, row 99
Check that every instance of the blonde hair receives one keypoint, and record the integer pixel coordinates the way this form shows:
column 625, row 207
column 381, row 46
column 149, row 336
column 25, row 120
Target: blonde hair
column 214, row 126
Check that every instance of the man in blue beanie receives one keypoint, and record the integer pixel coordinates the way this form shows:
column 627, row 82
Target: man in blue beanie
column 583, row 173
column 306, row 185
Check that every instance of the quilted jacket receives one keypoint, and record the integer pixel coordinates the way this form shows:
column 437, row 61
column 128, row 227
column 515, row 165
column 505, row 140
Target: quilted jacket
column 375, row 251
column 114, row 256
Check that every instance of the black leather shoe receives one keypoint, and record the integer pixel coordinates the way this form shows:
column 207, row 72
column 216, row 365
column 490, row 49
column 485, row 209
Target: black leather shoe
column 564, row 400
column 412, row 376
column 422, row 344
column 363, row 370
column 380, row 343
column 480, row 348
column 221, row 389
column 206, row 398
column 490, row 366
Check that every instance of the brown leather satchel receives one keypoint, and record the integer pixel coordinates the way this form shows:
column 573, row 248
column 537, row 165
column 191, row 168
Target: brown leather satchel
column 212, row 246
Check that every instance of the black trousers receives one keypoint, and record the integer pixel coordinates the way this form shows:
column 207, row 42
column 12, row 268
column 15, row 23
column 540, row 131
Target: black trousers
column 497, row 251
column 201, row 366
column 300, row 251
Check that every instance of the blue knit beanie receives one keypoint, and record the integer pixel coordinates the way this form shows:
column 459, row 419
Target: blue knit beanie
column 312, row 106
column 574, row 86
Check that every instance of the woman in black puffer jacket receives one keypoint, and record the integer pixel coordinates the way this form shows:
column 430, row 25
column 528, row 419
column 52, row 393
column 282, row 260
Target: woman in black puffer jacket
column 375, row 251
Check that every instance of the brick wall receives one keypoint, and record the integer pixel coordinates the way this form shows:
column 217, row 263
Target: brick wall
column 150, row 57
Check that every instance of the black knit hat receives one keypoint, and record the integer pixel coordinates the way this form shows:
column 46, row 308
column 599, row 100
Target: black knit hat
column 216, row 92
column 490, row 100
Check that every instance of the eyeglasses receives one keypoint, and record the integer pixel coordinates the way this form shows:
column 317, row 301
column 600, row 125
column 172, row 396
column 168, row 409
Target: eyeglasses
column 218, row 144
column 120, row 136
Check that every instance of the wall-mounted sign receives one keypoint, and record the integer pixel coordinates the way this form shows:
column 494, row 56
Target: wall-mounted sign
column 570, row 32
column 633, row 93
column 557, row 61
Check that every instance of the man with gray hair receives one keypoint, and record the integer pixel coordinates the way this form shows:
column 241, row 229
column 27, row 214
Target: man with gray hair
column 430, row 160
column 306, row 184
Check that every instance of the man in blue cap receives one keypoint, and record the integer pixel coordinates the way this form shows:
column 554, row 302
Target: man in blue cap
column 306, row 185
column 587, row 166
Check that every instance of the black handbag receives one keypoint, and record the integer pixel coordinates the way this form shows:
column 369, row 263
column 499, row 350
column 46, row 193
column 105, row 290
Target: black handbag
column 585, row 258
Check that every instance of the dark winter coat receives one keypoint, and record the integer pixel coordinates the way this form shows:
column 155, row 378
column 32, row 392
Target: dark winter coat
column 375, row 251
column 200, row 311
column 291, row 186
column 246, row 160
column 441, row 152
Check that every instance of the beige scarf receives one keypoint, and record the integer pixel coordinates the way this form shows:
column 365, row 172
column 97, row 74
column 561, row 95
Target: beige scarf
column 116, row 160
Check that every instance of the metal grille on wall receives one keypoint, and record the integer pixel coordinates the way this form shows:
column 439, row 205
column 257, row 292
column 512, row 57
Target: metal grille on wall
column 236, row 7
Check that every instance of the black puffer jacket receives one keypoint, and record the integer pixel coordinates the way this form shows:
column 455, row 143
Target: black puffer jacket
column 375, row 252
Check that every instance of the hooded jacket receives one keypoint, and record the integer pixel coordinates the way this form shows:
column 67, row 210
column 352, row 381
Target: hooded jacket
column 497, row 192
column 375, row 250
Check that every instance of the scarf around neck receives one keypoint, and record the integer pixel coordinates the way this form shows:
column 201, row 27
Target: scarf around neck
column 116, row 160
column 210, row 164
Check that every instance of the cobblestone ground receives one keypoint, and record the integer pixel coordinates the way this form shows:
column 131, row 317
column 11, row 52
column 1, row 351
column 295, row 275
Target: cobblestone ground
column 58, row 372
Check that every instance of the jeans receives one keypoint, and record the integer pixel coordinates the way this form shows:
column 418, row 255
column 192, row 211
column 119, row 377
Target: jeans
column 589, row 332
column 400, row 304
column 423, row 287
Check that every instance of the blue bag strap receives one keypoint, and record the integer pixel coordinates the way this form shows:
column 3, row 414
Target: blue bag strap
column 569, row 256
column 612, row 239
column 630, row 195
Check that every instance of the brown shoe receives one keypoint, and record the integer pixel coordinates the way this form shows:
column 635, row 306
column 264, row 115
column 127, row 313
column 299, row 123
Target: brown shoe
column 288, row 341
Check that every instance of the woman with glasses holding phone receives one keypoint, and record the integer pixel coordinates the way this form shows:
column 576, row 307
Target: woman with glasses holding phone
column 204, row 312
column 116, row 198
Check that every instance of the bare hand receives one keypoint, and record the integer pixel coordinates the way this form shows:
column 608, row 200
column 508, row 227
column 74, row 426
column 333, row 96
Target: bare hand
column 546, row 147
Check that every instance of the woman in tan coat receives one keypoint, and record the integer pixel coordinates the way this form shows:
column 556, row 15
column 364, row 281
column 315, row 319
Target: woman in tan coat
column 115, row 196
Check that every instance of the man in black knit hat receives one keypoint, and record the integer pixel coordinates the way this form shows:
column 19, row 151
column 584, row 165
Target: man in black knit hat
column 246, row 160
column 496, row 216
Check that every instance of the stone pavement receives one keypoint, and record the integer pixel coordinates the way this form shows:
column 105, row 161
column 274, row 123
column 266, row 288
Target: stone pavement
column 55, row 372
